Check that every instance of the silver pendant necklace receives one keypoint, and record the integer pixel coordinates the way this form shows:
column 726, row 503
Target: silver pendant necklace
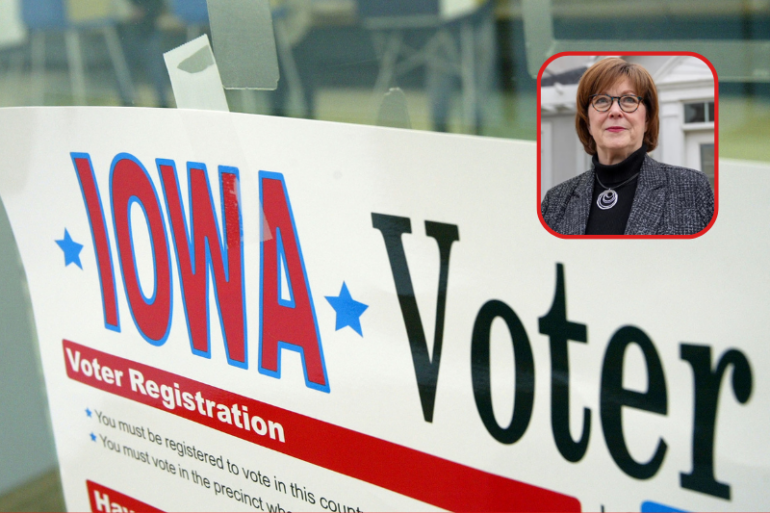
column 608, row 198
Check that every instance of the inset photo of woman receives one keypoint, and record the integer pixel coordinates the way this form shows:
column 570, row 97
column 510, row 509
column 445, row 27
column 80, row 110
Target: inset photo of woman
column 627, row 145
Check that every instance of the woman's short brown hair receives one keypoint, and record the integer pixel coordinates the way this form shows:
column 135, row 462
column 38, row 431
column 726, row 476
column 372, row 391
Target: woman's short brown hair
column 603, row 75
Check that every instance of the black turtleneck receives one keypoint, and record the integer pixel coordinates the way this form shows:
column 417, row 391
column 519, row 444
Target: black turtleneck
column 613, row 220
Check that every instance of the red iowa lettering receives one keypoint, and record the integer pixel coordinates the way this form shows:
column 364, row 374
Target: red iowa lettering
column 206, row 251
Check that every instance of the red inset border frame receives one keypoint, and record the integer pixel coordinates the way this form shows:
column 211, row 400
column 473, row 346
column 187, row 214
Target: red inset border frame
column 540, row 144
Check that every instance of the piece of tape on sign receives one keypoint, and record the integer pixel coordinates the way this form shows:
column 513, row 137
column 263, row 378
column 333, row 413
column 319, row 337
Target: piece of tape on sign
column 195, row 77
column 244, row 44
column 394, row 111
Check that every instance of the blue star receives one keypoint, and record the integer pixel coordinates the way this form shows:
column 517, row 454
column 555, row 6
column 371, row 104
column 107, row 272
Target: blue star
column 71, row 250
column 88, row 412
column 93, row 437
column 348, row 310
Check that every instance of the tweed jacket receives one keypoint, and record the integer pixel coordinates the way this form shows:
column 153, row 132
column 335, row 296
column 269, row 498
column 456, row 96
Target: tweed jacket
column 669, row 200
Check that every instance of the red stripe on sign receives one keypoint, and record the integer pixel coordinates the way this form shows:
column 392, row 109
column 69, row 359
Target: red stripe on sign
column 406, row 471
column 105, row 500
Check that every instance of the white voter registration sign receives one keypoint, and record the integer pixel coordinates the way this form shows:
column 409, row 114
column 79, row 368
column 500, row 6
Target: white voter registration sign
column 249, row 313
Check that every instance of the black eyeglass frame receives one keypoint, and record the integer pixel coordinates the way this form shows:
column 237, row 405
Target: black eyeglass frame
column 618, row 98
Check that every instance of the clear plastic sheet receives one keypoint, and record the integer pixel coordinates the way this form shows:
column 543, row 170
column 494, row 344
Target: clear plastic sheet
column 244, row 44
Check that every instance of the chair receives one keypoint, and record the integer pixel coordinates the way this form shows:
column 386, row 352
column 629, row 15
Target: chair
column 389, row 22
column 406, row 13
column 449, row 49
column 46, row 16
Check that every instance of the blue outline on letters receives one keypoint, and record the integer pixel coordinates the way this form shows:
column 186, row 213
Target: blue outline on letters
column 289, row 303
column 285, row 345
column 650, row 506
column 74, row 156
column 222, row 235
column 128, row 156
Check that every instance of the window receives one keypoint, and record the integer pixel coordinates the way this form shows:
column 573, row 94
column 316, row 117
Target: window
column 699, row 112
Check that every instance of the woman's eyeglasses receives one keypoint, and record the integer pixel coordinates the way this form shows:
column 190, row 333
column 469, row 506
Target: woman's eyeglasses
column 628, row 103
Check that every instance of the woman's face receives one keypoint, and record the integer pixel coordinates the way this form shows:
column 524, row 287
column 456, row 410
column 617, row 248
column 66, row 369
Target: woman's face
column 617, row 134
